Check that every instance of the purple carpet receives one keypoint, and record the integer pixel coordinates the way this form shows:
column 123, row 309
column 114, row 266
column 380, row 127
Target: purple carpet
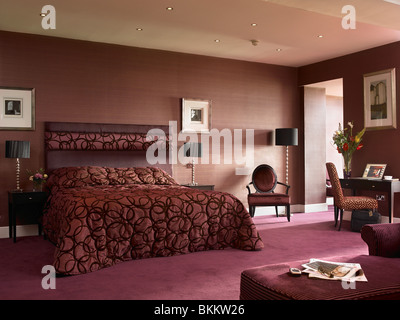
column 211, row 275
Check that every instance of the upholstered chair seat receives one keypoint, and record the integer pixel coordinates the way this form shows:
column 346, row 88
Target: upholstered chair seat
column 278, row 199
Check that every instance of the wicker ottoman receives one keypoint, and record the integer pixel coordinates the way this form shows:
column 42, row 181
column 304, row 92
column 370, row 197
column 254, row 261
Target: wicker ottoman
column 273, row 282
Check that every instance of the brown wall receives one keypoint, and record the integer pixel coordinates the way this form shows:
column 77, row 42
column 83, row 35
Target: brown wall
column 380, row 146
column 81, row 81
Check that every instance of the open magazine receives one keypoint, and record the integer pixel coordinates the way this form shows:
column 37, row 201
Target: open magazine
column 329, row 270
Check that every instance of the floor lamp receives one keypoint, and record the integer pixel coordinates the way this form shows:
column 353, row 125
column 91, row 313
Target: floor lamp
column 18, row 150
column 193, row 150
column 286, row 137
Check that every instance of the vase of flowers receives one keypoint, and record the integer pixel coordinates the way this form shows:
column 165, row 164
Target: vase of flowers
column 38, row 179
column 346, row 144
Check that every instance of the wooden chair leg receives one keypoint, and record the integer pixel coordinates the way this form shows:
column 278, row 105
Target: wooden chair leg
column 288, row 212
column 252, row 210
column 336, row 214
column 276, row 211
column 341, row 218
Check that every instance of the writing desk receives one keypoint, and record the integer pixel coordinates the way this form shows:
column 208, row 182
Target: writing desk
column 384, row 186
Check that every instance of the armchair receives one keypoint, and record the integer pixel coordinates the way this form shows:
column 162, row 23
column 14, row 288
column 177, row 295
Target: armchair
column 382, row 239
column 264, row 181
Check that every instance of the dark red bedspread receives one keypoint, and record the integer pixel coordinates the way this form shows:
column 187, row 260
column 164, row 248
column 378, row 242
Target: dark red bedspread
column 98, row 225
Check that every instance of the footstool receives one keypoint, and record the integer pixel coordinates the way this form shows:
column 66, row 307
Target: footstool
column 273, row 282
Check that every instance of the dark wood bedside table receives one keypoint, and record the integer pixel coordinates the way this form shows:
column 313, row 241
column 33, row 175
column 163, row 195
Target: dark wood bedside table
column 24, row 203
column 200, row 186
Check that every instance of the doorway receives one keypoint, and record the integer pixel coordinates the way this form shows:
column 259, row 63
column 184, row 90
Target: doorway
column 324, row 99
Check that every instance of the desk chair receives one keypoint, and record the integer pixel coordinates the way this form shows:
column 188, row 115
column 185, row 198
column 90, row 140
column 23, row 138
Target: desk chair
column 264, row 180
column 349, row 202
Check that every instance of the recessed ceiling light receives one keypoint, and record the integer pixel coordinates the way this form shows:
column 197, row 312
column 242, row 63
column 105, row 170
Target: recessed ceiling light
column 217, row 40
column 254, row 24
column 279, row 50
column 139, row 29
column 42, row 14
column 169, row 8
column 320, row 36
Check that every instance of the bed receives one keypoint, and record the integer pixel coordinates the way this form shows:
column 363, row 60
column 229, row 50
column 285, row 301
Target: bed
column 107, row 205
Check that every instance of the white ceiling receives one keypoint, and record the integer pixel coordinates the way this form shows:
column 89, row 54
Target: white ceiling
column 193, row 26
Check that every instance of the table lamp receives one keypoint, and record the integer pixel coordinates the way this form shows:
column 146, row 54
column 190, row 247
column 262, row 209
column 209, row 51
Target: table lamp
column 17, row 150
column 193, row 150
column 286, row 137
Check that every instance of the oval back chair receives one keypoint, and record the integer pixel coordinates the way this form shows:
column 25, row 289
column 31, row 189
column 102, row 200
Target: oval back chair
column 264, row 181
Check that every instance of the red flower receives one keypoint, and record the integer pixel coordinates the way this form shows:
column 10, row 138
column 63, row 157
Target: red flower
column 345, row 147
column 360, row 146
column 338, row 150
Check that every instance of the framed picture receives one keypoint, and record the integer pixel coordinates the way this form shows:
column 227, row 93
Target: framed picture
column 17, row 111
column 196, row 115
column 374, row 171
column 380, row 100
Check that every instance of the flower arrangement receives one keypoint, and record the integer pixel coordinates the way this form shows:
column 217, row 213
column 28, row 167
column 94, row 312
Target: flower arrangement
column 346, row 144
column 38, row 178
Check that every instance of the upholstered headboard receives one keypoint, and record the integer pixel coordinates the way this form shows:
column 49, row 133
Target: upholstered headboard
column 70, row 144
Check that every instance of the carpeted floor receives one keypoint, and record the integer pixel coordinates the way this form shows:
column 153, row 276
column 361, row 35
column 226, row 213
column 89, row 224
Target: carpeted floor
column 211, row 275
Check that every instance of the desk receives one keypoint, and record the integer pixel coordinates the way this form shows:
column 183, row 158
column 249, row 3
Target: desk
column 376, row 186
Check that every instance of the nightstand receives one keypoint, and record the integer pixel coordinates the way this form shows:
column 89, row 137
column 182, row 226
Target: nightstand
column 200, row 186
column 24, row 203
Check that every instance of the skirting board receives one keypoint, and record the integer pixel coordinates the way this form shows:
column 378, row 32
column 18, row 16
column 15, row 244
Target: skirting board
column 264, row 211
column 22, row 231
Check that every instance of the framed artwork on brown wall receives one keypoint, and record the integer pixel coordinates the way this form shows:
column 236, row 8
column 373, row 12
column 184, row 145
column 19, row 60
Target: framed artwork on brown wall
column 17, row 111
column 380, row 100
column 196, row 115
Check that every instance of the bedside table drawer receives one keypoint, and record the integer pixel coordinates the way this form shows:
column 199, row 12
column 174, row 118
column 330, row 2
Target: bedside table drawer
column 28, row 197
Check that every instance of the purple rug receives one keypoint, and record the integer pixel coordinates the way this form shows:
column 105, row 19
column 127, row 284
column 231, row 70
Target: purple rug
column 211, row 275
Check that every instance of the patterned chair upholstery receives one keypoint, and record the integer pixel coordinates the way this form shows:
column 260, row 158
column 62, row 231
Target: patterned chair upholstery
column 342, row 202
column 264, row 181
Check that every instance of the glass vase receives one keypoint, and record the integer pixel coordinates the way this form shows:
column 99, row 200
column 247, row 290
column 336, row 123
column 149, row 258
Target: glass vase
column 37, row 186
column 347, row 167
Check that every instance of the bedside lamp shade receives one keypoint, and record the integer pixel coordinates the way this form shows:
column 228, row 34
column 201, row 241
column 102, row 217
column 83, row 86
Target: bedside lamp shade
column 193, row 150
column 18, row 150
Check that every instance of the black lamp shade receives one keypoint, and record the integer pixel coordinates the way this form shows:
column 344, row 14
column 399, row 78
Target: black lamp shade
column 18, row 149
column 192, row 149
column 286, row 137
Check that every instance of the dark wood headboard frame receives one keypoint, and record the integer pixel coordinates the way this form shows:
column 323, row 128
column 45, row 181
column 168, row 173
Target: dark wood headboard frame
column 69, row 144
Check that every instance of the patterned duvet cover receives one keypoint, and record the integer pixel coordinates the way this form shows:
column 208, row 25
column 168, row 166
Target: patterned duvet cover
column 100, row 216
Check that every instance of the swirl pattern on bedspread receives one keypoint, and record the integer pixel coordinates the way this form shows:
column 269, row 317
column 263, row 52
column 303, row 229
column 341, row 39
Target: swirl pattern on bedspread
column 96, row 225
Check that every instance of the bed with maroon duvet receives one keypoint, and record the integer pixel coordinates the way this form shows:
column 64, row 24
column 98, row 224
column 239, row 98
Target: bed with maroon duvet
column 101, row 215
